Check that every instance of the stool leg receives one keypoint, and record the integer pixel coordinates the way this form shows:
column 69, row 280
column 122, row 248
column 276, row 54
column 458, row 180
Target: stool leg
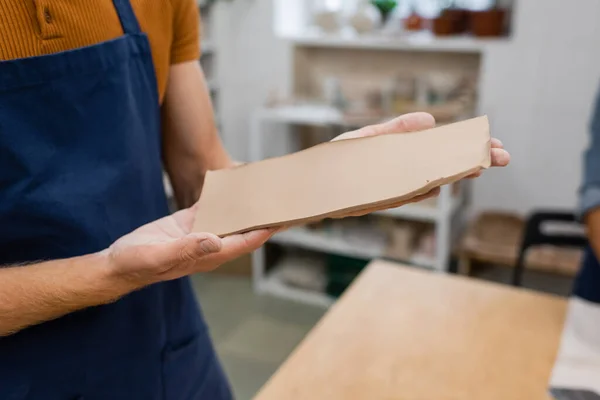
column 464, row 266
column 517, row 278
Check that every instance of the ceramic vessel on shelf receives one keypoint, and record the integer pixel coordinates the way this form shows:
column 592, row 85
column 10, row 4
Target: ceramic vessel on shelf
column 451, row 21
column 413, row 22
column 327, row 20
column 488, row 23
column 366, row 18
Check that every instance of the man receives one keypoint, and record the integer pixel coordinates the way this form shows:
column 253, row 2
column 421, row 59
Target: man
column 83, row 86
column 577, row 367
column 587, row 284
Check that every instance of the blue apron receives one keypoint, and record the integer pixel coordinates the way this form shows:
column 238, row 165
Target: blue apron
column 80, row 166
column 587, row 282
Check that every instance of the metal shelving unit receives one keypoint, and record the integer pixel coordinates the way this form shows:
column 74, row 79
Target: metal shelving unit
column 419, row 41
column 441, row 215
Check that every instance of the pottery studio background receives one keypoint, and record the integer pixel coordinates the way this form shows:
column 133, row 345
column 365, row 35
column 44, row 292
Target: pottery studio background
column 287, row 74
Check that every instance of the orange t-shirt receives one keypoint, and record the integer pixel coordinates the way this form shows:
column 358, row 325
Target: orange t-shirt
column 31, row 28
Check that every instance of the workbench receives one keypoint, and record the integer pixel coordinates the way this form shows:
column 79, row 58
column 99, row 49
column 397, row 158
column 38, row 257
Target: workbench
column 403, row 333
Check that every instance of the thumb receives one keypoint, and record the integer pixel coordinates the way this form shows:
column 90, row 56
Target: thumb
column 412, row 122
column 188, row 249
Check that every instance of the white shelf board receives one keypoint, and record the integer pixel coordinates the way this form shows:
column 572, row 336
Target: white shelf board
column 422, row 261
column 416, row 212
column 310, row 240
column 273, row 286
column 420, row 41
column 309, row 114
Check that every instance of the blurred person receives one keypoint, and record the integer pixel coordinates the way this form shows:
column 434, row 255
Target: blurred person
column 577, row 366
column 587, row 283
column 95, row 303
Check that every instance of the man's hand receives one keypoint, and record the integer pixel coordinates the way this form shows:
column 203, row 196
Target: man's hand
column 411, row 123
column 159, row 251
column 167, row 249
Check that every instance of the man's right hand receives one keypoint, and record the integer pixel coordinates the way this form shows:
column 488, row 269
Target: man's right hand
column 159, row 251
column 167, row 249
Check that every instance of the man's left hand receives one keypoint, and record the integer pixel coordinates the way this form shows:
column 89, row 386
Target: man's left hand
column 417, row 122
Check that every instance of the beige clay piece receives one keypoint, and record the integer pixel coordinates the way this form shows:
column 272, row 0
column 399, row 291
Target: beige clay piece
column 336, row 178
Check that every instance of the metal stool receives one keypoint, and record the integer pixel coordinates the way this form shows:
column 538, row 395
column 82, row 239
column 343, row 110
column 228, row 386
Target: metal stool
column 534, row 235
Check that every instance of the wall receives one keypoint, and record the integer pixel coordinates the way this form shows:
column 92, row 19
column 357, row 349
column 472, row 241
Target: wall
column 538, row 90
column 252, row 62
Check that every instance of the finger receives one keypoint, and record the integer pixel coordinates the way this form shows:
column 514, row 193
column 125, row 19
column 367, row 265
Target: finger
column 237, row 245
column 187, row 250
column 500, row 157
column 405, row 123
column 475, row 175
column 497, row 144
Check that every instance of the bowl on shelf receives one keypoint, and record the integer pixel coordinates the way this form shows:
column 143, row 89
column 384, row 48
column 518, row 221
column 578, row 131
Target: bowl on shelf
column 488, row 23
column 451, row 21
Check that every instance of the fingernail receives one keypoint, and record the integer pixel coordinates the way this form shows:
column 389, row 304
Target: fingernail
column 209, row 246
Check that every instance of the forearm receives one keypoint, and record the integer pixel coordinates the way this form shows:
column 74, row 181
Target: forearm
column 36, row 293
column 191, row 141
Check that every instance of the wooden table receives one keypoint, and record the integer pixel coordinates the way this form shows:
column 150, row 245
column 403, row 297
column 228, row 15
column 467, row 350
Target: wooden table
column 402, row 333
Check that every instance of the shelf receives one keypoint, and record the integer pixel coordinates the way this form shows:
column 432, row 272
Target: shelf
column 422, row 41
column 309, row 114
column 311, row 240
column 416, row 212
column 318, row 115
column 273, row 286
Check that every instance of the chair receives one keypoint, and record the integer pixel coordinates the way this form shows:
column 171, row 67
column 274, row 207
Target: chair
column 534, row 235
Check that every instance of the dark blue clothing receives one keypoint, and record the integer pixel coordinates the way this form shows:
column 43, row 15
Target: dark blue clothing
column 590, row 189
column 587, row 283
column 80, row 166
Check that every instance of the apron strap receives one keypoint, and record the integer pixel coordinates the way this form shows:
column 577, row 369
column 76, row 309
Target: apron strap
column 128, row 19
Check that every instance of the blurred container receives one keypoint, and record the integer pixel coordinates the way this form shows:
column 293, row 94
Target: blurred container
column 451, row 21
column 329, row 21
column 332, row 92
column 366, row 18
column 488, row 23
column 414, row 22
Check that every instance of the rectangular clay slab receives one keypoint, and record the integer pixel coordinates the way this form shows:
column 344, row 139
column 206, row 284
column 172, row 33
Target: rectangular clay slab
column 335, row 178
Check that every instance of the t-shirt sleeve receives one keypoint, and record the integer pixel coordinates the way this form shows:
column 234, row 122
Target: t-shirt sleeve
column 186, row 27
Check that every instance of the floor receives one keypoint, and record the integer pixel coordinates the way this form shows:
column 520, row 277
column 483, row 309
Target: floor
column 255, row 334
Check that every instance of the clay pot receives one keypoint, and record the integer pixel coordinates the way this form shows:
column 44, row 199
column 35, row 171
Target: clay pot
column 365, row 19
column 489, row 23
column 414, row 22
column 443, row 26
column 451, row 21
column 459, row 16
